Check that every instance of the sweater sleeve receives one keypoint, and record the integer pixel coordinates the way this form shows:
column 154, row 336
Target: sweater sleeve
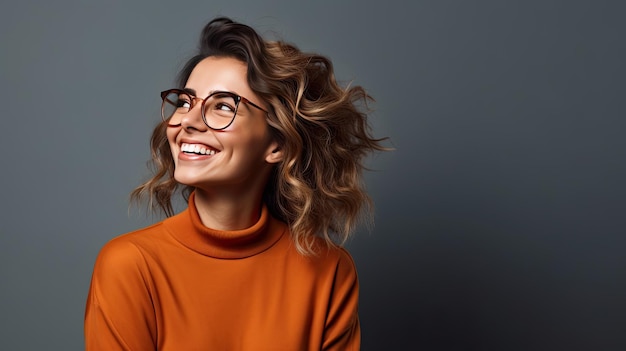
column 119, row 314
column 343, row 330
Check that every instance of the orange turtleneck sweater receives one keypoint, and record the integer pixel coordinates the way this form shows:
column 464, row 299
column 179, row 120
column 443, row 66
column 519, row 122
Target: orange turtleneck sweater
column 178, row 285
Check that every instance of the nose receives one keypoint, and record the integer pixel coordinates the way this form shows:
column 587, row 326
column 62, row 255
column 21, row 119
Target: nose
column 193, row 119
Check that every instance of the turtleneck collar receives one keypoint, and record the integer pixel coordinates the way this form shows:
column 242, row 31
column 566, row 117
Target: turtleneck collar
column 187, row 228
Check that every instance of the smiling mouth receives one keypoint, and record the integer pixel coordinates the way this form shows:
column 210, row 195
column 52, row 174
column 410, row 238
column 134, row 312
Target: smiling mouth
column 197, row 149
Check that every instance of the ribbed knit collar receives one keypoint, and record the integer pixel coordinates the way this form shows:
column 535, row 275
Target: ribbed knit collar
column 187, row 228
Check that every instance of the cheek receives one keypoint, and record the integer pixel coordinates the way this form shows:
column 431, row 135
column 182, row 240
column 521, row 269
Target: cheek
column 256, row 131
column 247, row 148
column 171, row 137
column 255, row 138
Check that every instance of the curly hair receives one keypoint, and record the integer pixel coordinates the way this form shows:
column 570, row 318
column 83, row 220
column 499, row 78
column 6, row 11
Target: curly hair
column 321, row 127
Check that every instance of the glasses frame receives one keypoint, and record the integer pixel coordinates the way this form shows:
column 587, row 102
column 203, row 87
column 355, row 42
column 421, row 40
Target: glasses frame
column 238, row 99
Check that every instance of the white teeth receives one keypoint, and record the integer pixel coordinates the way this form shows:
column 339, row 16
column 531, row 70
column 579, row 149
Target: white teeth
column 197, row 149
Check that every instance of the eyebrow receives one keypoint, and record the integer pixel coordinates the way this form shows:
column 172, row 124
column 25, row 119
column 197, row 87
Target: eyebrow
column 193, row 92
column 190, row 91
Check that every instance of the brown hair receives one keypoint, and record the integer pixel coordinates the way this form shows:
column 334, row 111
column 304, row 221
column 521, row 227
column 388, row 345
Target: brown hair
column 322, row 129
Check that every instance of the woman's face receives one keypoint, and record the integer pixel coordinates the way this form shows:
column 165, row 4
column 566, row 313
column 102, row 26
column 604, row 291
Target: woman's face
column 241, row 155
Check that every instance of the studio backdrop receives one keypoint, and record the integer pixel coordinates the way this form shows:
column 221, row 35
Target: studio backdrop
column 499, row 215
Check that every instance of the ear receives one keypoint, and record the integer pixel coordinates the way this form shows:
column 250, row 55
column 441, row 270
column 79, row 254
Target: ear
column 274, row 153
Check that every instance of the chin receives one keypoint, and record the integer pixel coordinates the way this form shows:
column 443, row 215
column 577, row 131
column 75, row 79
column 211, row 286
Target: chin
column 186, row 179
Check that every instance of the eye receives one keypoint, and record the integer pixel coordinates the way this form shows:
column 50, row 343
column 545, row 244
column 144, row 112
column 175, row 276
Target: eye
column 183, row 102
column 224, row 106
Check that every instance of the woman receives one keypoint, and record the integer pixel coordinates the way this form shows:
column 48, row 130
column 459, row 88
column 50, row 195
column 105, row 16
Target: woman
column 267, row 150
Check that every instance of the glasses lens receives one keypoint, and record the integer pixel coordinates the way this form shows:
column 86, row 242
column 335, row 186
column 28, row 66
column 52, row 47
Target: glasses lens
column 220, row 110
column 175, row 103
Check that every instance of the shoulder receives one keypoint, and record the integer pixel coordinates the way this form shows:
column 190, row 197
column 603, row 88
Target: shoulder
column 127, row 251
column 345, row 262
column 333, row 253
column 332, row 261
column 345, row 268
column 336, row 256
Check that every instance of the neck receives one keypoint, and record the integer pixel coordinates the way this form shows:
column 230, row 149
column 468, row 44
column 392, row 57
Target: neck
column 225, row 212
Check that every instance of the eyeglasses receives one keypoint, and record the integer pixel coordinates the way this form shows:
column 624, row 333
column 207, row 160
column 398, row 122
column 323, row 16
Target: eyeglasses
column 218, row 109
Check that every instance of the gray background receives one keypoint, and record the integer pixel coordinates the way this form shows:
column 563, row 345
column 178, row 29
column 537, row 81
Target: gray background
column 500, row 216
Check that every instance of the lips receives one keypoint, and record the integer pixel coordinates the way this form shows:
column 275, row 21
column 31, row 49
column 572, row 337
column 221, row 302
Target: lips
column 197, row 149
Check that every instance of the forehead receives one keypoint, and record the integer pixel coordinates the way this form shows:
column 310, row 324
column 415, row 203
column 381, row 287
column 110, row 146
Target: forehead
column 219, row 73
